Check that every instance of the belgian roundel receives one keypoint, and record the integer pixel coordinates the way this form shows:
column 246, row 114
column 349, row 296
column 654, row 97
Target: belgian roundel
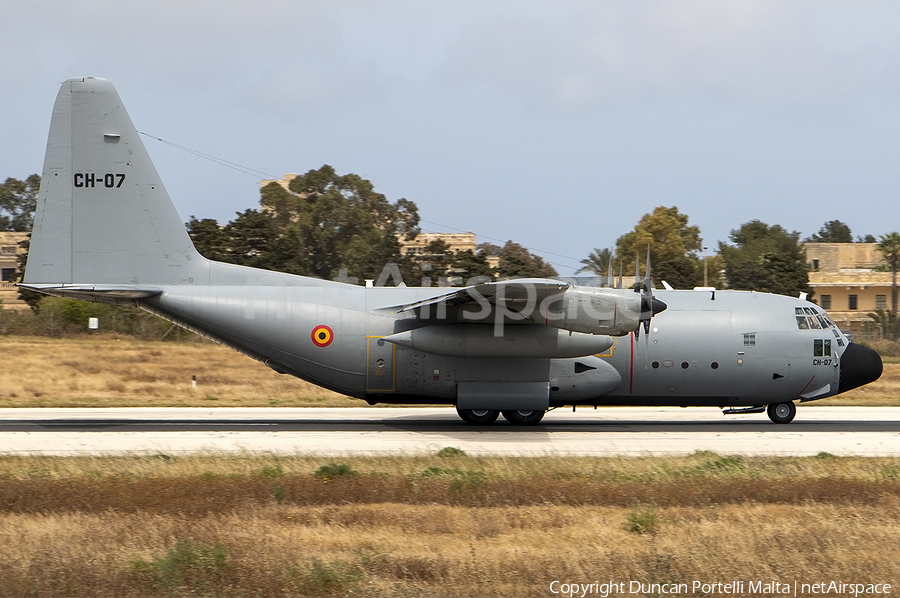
column 322, row 336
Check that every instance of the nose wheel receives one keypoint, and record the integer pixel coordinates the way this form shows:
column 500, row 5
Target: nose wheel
column 782, row 413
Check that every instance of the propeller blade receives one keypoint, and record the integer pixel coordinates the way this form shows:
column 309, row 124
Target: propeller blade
column 637, row 274
column 647, row 288
column 619, row 286
column 610, row 281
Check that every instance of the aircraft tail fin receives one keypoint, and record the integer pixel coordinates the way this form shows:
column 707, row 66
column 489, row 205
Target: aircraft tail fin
column 103, row 215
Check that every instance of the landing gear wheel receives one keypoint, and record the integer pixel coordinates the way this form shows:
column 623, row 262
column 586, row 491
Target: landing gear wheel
column 782, row 413
column 478, row 417
column 523, row 418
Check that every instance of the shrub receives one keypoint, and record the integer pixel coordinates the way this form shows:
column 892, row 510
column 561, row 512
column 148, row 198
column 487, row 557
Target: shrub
column 333, row 470
column 642, row 522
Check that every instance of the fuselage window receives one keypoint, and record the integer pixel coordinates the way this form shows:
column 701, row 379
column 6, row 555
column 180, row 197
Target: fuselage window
column 822, row 348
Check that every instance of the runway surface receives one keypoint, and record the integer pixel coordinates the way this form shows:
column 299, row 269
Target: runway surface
column 381, row 431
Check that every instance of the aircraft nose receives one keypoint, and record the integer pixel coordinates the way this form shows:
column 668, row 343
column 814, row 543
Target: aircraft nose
column 859, row 365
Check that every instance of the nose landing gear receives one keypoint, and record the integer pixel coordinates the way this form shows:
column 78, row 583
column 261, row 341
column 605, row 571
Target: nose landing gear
column 781, row 413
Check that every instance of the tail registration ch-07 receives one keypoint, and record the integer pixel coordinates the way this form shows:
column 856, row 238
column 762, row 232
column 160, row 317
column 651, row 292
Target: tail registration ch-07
column 91, row 180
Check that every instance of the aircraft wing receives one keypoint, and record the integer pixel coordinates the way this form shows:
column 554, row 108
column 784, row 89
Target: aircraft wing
column 522, row 295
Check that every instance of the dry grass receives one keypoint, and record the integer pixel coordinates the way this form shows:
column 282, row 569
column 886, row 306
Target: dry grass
column 106, row 371
column 427, row 526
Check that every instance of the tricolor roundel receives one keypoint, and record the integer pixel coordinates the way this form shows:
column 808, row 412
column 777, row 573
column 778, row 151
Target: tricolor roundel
column 322, row 335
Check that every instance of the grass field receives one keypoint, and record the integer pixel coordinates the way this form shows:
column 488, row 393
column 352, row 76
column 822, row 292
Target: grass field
column 106, row 371
column 438, row 526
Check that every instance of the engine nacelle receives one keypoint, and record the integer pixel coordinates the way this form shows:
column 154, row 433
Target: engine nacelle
column 615, row 312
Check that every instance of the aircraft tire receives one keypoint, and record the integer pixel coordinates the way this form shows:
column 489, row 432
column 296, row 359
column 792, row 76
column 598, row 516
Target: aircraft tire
column 523, row 418
column 782, row 413
column 478, row 417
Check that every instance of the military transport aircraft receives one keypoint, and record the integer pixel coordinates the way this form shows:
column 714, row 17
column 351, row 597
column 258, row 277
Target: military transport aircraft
column 105, row 230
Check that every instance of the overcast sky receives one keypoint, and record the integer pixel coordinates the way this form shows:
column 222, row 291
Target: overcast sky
column 554, row 124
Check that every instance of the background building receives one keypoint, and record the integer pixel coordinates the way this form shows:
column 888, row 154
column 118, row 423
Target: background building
column 9, row 267
column 850, row 281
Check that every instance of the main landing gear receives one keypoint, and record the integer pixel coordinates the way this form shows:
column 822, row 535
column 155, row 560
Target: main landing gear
column 484, row 417
column 781, row 413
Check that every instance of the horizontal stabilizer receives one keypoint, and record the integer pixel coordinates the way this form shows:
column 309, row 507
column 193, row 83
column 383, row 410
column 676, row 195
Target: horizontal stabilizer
column 99, row 293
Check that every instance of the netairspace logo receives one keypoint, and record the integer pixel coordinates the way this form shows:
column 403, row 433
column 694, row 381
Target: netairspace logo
column 732, row 588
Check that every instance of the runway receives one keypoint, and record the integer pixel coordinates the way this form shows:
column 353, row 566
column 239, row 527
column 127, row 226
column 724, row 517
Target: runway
column 388, row 431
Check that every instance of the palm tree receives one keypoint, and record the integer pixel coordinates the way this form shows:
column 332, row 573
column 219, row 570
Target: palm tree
column 597, row 262
column 889, row 246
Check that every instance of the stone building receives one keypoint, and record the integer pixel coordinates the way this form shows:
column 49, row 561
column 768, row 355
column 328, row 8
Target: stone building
column 850, row 282
column 9, row 252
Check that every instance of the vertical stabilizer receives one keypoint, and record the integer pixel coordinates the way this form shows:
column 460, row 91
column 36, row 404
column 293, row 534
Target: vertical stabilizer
column 103, row 215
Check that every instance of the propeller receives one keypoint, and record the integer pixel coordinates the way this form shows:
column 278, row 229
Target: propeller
column 650, row 305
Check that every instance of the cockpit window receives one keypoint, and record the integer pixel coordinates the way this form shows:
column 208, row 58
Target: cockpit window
column 812, row 319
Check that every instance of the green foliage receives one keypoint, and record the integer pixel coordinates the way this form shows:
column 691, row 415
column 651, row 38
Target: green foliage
column 209, row 238
column 271, row 472
column 331, row 579
column 451, row 451
column 191, row 565
column 324, row 224
column 278, row 493
column 597, row 263
column 643, row 521
column 833, row 231
column 333, row 470
column 767, row 259
column 824, row 455
column 674, row 247
column 516, row 261
column 18, row 200
column 471, row 266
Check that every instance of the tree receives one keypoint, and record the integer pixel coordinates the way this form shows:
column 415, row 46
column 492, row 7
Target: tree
column 597, row 263
column 209, row 238
column 766, row 258
column 340, row 222
column 833, row 231
column 889, row 246
column 673, row 247
column 469, row 264
column 516, row 261
column 324, row 225
column 18, row 200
